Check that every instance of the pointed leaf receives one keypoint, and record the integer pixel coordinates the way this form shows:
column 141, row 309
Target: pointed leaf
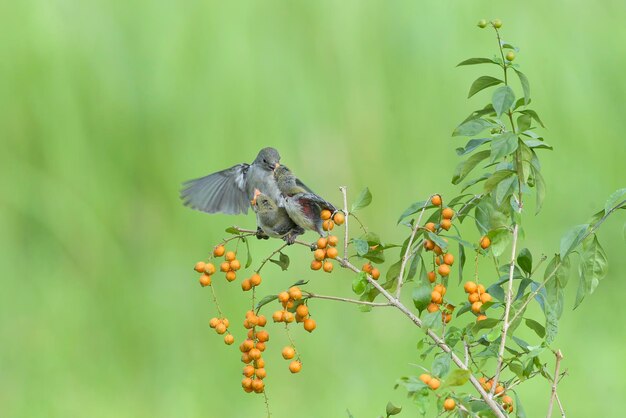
column 474, row 61
column 616, row 197
column 525, row 85
column 502, row 99
column 482, row 83
column 572, row 239
column 472, row 127
column 363, row 200
column 465, row 167
column 502, row 145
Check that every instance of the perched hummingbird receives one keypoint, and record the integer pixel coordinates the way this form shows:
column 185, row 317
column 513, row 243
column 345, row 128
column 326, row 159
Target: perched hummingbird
column 273, row 220
column 230, row 191
column 303, row 206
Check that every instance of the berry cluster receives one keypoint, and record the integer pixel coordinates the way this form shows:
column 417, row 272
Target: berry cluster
column 294, row 309
column 251, row 353
column 477, row 296
column 230, row 265
column 329, row 219
column 507, row 401
column 326, row 250
column 221, row 327
column 371, row 270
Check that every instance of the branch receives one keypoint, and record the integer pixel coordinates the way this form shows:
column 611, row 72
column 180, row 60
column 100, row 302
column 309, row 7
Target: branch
column 269, row 257
column 507, row 310
column 555, row 381
column 250, row 232
column 407, row 253
column 345, row 210
column 341, row 299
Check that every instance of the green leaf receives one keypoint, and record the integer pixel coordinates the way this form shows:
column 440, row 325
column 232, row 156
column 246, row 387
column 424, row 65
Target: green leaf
column 519, row 409
column 536, row 326
column 592, row 268
column 392, row 409
column 393, row 271
column 458, row 377
column 438, row 240
column 265, row 301
column 421, row 296
column 482, row 83
column 282, row 262
column 500, row 239
column 616, row 197
column 474, row 61
column 523, row 123
column 363, row 200
column 471, row 146
column 465, row 167
column 441, row 365
column 540, row 187
column 572, row 239
column 552, row 325
column 233, row 230
column 485, row 324
column 496, row 178
column 525, row 260
column 472, row 127
column 249, row 256
column 462, row 259
column 361, row 246
column 525, row 85
column 502, row 99
column 414, row 208
column 376, row 255
column 432, row 320
column 536, row 143
column 502, row 145
column 359, row 283
column 533, row 115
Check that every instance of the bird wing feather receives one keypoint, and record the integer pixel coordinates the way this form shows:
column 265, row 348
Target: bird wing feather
column 224, row 191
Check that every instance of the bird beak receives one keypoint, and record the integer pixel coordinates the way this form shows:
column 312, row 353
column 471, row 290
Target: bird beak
column 257, row 192
column 276, row 166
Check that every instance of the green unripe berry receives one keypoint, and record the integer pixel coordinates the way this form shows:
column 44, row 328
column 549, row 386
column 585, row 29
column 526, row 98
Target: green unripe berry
column 497, row 23
column 482, row 23
column 510, row 56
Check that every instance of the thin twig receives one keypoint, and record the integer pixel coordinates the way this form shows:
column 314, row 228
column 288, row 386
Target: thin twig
column 345, row 263
column 269, row 257
column 555, row 381
column 345, row 210
column 407, row 252
column 340, row 299
column 267, row 404
column 507, row 310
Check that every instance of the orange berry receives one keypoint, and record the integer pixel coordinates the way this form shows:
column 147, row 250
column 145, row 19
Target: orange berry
column 480, row 289
column 436, row 200
column 436, row 297
column 289, row 317
column 325, row 214
column 258, row 386
column 262, row 320
column 246, row 382
column 367, row 267
column 199, row 267
column 260, row 363
column 260, row 346
column 434, row 383
column 235, row 265
column 470, row 287
column 230, row 256
column 499, row 389
column 481, row 318
column 309, row 324
column 328, row 266
column 485, row 242
column 226, row 322
column 288, row 353
column 429, row 245
column 302, row 310
column 245, row 358
column 432, row 276
column 248, row 370
column 254, row 353
column 295, row 366
column 485, row 297
column 277, row 316
column 316, row 265
column 322, row 242
column 430, row 226
column 255, row 280
column 332, row 252
column 333, row 240
column 260, row 373
column 219, row 251
column 205, row 280
column 229, row 339
column 473, row 297
column 437, row 250
column 448, row 259
column 432, row 307
column 339, row 218
column 246, row 285
column 328, row 225
column 213, row 322
column 231, row 275
column 447, row 213
column 438, row 261
column 443, row 270
column 476, row 306
column 220, row 328
column 295, row 293
column 446, row 224
column 446, row 317
column 209, row 268
column 283, row 297
column 375, row 273
column 449, row 404
column 319, row 254
column 225, row 266
column 263, row 336
column 440, row 288
column 425, row 377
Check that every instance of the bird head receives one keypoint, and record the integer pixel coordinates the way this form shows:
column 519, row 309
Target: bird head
column 268, row 158
column 263, row 203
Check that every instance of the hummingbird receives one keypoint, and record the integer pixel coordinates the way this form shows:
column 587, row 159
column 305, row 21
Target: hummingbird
column 303, row 206
column 273, row 220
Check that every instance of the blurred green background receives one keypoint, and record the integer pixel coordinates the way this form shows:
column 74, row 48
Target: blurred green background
column 106, row 106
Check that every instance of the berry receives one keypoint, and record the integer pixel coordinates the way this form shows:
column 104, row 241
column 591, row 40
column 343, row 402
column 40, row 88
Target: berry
column 277, row 316
column 225, row 266
column 199, row 267
column 447, row 213
column 481, row 318
column 295, row 366
column 476, row 306
column 425, row 377
column 255, row 280
column 246, row 382
column 448, row 259
column 229, row 339
column 443, row 270
column 333, row 240
column 263, row 336
column 258, row 386
column 231, row 275
column 339, row 218
column 246, row 285
column 482, row 23
column 485, row 242
column 235, row 265
column 429, row 245
column 325, row 214
column 288, row 317
column 332, row 252
column 510, row 56
column 328, row 266
column 218, row 251
column 302, row 310
column 473, row 297
column 254, row 353
column 375, row 273
column 316, row 265
column 436, row 200
column 430, row 226
column 209, row 268
column 432, row 276
column 436, row 297
column 485, row 297
column 470, row 287
column 434, row 383
column 449, row 404
column 480, row 289
column 213, row 322
column 497, row 23
column 260, row 373
column 319, row 254
column 262, row 320
column 322, row 242
column 288, row 353
column 440, row 288
column 295, row 293
column 446, row 224
column 328, row 225
column 205, row 280
column 220, row 328
column 432, row 307
column 248, row 370
column 283, row 297
column 367, row 267
column 230, row 256
column 309, row 324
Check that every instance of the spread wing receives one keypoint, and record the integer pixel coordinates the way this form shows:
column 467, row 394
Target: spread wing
column 311, row 200
column 223, row 191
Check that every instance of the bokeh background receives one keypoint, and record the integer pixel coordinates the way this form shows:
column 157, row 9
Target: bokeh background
column 106, row 106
